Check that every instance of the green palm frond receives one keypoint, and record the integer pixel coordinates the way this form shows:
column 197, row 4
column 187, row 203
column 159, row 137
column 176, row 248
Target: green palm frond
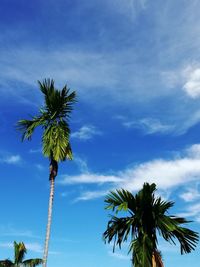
column 56, row 141
column 20, row 251
column 171, row 230
column 120, row 200
column 118, row 230
column 57, row 103
column 27, row 127
column 160, row 206
column 32, row 262
column 6, row 263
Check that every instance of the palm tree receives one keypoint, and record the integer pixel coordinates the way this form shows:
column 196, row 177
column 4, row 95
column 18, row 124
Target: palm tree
column 147, row 217
column 53, row 118
column 20, row 251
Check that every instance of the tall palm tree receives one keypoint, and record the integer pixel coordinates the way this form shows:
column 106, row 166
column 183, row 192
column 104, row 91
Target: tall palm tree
column 19, row 255
column 53, row 118
column 147, row 217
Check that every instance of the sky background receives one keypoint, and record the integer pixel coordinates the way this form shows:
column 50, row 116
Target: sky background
column 135, row 65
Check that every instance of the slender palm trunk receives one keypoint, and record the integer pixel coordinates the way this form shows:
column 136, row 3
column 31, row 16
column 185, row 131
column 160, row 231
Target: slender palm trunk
column 52, row 175
column 46, row 246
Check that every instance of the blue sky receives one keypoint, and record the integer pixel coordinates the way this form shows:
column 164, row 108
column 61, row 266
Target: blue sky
column 135, row 65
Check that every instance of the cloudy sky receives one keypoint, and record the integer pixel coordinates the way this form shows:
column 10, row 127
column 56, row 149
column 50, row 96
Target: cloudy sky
column 135, row 65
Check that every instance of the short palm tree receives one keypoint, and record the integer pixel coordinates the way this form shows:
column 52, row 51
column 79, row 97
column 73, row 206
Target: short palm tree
column 147, row 217
column 53, row 118
column 20, row 251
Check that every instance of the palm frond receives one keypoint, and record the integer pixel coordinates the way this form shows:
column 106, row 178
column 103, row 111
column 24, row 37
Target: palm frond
column 20, row 251
column 57, row 103
column 32, row 262
column 6, row 263
column 120, row 200
column 161, row 206
column 171, row 230
column 118, row 229
column 56, row 141
column 27, row 127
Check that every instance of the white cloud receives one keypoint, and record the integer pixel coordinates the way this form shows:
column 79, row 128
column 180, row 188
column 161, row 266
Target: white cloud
column 90, row 178
column 81, row 163
column 39, row 167
column 191, row 211
column 192, row 85
column 119, row 256
column 12, row 159
column 149, row 126
column 88, row 195
column 190, row 195
column 167, row 174
column 194, row 151
column 86, row 132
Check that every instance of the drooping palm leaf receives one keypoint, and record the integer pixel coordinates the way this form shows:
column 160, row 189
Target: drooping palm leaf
column 56, row 140
column 32, row 262
column 6, row 263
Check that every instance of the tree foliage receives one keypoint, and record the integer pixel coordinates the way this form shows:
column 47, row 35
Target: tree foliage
column 53, row 118
column 19, row 255
column 147, row 217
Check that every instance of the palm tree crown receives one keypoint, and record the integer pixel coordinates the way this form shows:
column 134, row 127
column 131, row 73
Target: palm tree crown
column 19, row 255
column 147, row 218
column 53, row 118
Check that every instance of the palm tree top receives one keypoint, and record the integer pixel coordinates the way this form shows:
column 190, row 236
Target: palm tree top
column 147, row 217
column 19, row 255
column 53, row 117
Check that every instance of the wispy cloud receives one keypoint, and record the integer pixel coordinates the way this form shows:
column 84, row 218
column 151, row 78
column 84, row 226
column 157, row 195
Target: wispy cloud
column 190, row 195
column 119, row 256
column 192, row 211
column 149, row 126
column 39, row 167
column 90, row 178
column 86, row 132
column 192, row 84
column 81, row 163
column 11, row 159
column 166, row 173
column 88, row 195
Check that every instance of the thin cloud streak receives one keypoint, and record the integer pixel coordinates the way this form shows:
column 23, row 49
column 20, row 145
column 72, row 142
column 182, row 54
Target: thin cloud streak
column 167, row 174
column 86, row 132
column 11, row 159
